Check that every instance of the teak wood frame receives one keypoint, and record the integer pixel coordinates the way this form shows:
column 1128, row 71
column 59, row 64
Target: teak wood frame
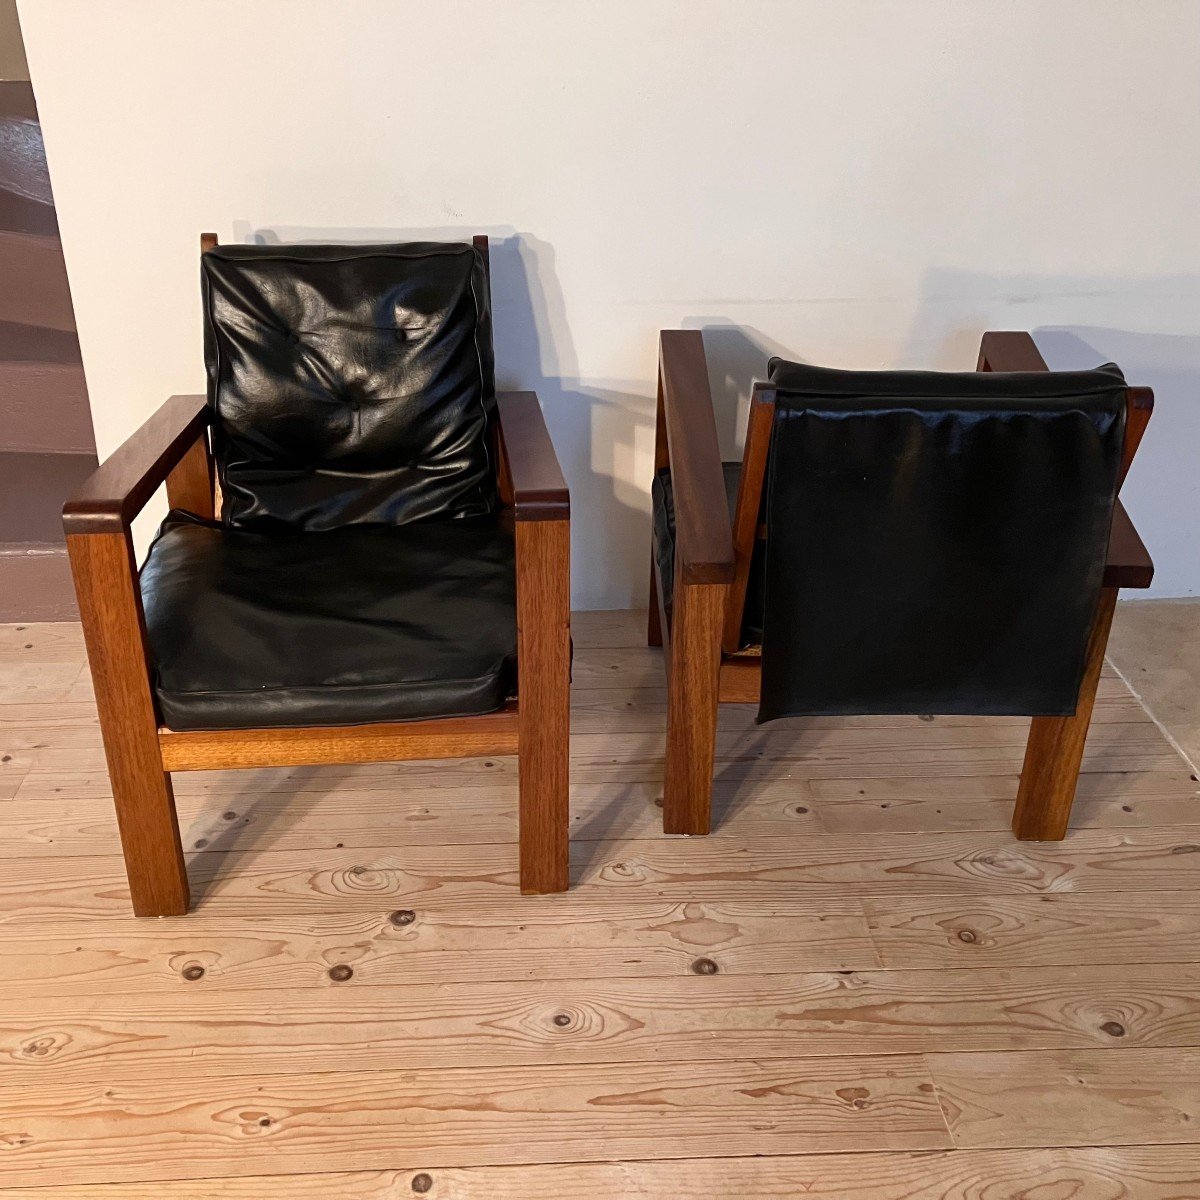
column 172, row 447
column 700, row 635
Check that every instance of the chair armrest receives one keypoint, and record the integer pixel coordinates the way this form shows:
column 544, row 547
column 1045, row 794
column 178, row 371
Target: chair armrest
column 530, row 466
column 1009, row 351
column 1129, row 563
column 109, row 499
column 703, row 537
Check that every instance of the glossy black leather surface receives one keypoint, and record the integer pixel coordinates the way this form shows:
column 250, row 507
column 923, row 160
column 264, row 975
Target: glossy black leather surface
column 350, row 384
column 360, row 624
column 662, row 504
column 935, row 542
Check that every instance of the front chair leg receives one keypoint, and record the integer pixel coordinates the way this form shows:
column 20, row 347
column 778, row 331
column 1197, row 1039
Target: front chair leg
column 693, row 680
column 110, row 609
column 1054, row 752
column 544, row 702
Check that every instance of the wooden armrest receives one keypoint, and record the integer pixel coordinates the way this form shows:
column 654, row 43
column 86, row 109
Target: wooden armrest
column 1129, row 563
column 703, row 537
column 539, row 491
column 118, row 489
column 1009, row 351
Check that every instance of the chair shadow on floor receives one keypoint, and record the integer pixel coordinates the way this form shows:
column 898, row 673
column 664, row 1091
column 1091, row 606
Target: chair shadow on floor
column 234, row 827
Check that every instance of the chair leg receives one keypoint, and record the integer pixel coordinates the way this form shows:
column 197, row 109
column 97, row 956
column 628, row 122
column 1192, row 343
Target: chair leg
column 654, row 635
column 110, row 609
column 1055, row 749
column 692, row 687
column 544, row 703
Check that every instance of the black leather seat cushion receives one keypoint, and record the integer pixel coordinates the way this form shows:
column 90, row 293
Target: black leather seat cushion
column 935, row 542
column 662, row 499
column 350, row 384
column 362, row 624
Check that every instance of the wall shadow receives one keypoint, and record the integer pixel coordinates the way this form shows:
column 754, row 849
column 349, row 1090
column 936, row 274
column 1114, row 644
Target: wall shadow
column 1078, row 322
column 601, row 429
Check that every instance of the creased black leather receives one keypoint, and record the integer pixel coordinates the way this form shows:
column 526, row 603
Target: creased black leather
column 935, row 542
column 345, row 627
column 662, row 503
column 350, row 384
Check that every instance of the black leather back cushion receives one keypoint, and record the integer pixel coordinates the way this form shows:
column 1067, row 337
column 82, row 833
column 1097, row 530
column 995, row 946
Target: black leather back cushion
column 935, row 542
column 350, row 384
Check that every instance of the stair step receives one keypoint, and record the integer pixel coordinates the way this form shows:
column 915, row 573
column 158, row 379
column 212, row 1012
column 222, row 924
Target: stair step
column 35, row 583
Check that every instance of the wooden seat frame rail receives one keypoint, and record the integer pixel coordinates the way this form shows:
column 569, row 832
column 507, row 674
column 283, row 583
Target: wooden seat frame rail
column 700, row 635
column 172, row 447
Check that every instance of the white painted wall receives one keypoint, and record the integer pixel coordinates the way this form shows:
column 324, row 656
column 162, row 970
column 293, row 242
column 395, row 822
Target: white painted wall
column 859, row 183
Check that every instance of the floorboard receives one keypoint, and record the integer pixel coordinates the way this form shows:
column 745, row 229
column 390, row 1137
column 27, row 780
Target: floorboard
column 1119, row 1173
column 859, row 986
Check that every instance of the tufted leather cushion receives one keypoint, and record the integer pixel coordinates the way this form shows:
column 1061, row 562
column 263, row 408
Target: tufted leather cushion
column 350, row 384
column 346, row 627
column 935, row 542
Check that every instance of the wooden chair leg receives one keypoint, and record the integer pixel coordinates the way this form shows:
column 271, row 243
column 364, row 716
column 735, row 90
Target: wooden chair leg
column 113, row 628
column 544, row 702
column 1055, row 749
column 692, row 688
column 654, row 635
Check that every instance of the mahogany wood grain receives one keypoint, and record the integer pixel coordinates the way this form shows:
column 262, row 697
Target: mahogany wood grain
column 208, row 241
column 447, row 737
column 741, row 679
column 539, row 491
column 118, row 489
column 749, row 505
column 1009, row 350
column 1129, row 564
column 692, row 698
column 1139, row 402
column 703, row 540
column 480, row 242
column 190, row 481
column 544, row 666
column 110, row 608
column 1054, row 753
column 656, row 617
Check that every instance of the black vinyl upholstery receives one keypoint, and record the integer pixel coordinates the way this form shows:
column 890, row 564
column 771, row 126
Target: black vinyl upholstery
column 935, row 541
column 343, row 627
column 360, row 571
column 349, row 384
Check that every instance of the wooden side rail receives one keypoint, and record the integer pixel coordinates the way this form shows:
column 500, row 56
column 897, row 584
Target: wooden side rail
column 531, row 480
column 109, row 499
column 531, row 475
column 170, row 447
column 703, row 539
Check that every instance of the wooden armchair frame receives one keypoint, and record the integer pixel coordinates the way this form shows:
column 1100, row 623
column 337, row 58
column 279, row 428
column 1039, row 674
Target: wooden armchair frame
column 172, row 447
column 700, row 636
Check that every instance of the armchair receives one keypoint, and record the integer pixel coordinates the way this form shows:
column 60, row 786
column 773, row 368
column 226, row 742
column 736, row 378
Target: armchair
column 893, row 542
column 380, row 570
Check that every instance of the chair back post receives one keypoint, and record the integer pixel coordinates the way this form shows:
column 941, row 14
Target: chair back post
column 749, row 506
column 1139, row 407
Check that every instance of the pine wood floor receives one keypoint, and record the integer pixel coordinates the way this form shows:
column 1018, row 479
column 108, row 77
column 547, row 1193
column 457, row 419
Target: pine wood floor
column 859, row 986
